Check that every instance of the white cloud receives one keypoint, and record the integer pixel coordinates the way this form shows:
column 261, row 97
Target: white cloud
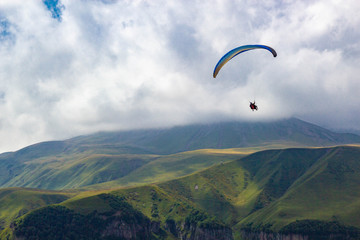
column 134, row 64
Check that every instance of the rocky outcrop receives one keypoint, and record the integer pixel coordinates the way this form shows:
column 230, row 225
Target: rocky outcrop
column 119, row 228
column 245, row 235
column 195, row 231
column 144, row 230
column 123, row 230
column 278, row 236
column 173, row 228
column 306, row 229
column 203, row 232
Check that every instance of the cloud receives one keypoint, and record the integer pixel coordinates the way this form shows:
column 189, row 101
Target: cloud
column 75, row 67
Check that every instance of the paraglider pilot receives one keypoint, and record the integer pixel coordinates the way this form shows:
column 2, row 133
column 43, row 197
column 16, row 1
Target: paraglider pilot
column 253, row 106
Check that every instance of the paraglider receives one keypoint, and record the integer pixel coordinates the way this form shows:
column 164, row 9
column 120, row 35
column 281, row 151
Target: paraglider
column 253, row 106
column 236, row 51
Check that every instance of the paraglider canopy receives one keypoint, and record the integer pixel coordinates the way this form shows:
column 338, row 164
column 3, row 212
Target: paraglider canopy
column 228, row 56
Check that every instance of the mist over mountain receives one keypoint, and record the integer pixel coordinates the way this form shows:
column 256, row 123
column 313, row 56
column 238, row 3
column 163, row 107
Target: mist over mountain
column 222, row 135
column 200, row 136
column 131, row 157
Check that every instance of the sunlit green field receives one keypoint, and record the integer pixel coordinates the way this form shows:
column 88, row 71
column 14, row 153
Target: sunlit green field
column 237, row 186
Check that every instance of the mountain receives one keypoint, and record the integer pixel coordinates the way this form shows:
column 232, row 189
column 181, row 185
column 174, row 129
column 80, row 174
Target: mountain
column 269, row 190
column 126, row 158
column 303, row 193
column 323, row 186
column 219, row 136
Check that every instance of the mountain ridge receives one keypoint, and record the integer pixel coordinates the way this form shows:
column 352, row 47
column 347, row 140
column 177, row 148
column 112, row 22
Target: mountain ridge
column 287, row 129
column 127, row 155
column 220, row 135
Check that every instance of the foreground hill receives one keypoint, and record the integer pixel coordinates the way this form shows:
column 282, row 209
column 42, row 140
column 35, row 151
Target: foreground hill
column 15, row 202
column 126, row 158
column 312, row 193
column 80, row 170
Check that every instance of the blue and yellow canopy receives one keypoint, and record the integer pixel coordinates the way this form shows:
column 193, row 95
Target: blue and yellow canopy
column 227, row 57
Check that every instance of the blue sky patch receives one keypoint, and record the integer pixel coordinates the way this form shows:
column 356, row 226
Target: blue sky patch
column 55, row 7
column 5, row 32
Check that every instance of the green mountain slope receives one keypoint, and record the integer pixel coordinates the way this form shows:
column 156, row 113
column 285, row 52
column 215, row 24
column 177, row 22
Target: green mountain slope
column 274, row 188
column 72, row 171
column 15, row 202
column 269, row 190
column 81, row 170
column 147, row 156
column 173, row 166
column 136, row 213
column 277, row 187
column 114, row 219
column 328, row 190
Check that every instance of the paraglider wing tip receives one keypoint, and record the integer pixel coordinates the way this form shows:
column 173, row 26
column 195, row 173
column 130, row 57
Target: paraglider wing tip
column 215, row 73
column 272, row 51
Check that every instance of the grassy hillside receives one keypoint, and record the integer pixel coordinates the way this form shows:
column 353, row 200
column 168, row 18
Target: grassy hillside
column 146, row 156
column 114, row 218
column 15, row 202
column 72, row 171
column 137, row 213
column 328, row 190
column 277, row 187
column 269, row 189
column 172, row 166
column 81, row 170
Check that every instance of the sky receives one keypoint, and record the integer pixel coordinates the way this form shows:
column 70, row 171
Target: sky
column 74, row 67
